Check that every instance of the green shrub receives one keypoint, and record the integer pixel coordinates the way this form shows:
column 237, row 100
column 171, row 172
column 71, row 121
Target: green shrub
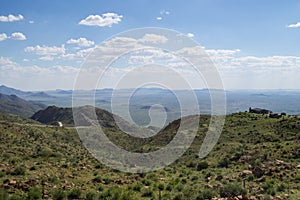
column 97, row 179
column 137, row 187
column 232, row 190
column 194, row 178
column 147, row 193
column 20, row 170
column 58, row 194
column 202, row 165
column 90, row 196
column 161, row 186
column 74, row 193
column 179, row 187
column 206, row 194
column 3, row 194
column 179, row 196
column 224, row 163
column 116, row 194
column 34, row 193
column 15, row 197
column 281, row 187
column 146, row 182
column 169, row 187
column 2, row 174
column 107, row 180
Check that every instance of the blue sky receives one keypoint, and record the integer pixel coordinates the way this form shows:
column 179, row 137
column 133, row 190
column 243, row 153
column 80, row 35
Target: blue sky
column 260, row 32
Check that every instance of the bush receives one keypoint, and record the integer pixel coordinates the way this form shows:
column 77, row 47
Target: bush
column 169, row 187
column 90, row 196
column 137, row 187
column 147, row 193
column 34, row 193
column 202, row 165
column 58, row 195
column 2, row 174
column 74, row 193
column 20, row 170
column 3, row 194
column 161, row 186
column 15, row 197
column 146, row 182
column 232, row 190
column 116, row 193
column 206, row 194
column 281, row 187
column 224, row 163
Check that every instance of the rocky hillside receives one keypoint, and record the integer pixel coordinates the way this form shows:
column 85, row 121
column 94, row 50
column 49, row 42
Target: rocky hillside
column 256, row 158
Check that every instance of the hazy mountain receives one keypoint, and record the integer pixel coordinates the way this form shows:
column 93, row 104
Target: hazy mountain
column 40, row 95
column 12, row 104
column 9, row 91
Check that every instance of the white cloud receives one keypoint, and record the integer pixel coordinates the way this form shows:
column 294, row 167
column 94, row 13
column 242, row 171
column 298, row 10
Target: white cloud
column 153, row 39
column 31, row 22
column 11, row 18
column 77, row 55
column 45, row 78
column 18, row 36
column 164, row 12
column 6, row 61
column 13, row 36
column 297, row 25
column 222, row 52
column 106, row 19
column 82, row 42
column 46, row 50
column 158, row 18
column 190, row 35
column 3, row 36
column 47, row 58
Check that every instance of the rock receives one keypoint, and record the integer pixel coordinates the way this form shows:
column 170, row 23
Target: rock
column 246, row 172
column 262, row 179
column 278, row 162
column 12, row 182
column 208, row 186
column 244, row 159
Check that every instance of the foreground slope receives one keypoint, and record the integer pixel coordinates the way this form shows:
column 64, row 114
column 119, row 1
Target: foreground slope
column 256, row 157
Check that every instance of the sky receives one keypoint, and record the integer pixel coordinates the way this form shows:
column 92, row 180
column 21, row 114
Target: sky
column 254, row 44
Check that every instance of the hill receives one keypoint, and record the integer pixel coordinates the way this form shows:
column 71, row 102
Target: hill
column 12, row 91
column 256, row 157
column 40, row 95
column 12, row 104
column 53, row 114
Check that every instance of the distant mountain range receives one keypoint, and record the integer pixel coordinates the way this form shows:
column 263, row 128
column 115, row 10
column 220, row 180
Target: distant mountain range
column 9, row 91
column 12, row 104
column 237, row 100
column 23, row 94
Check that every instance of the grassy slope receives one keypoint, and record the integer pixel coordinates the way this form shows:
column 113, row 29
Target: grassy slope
column 53, row 158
